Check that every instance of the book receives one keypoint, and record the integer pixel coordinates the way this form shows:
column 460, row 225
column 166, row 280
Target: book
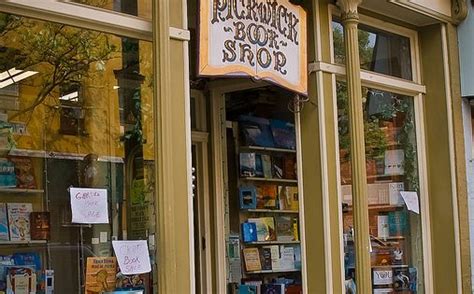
column 252, row 259
column 269, row 223
column 19, row 221
column 247, row 289
column 256, row 283
column 277, row 167
column 398, row 223
column 266, row 258
column 297, row 250
column 382, row 277
column 394, row 193
column 249, row 232
column 248, row 197
column 289, row 167
column 21, row 280
column 286, row 195
column 401, row 279
column 296, row 232
column 394, row 162
column 385, row 290
column 275, row 255
column 294, row 289
column 258, row 166
column 266, row 165
column 25, row 174
column 287, row 259
column 267, row 196
column 382, row 226
column 284, row 228
column 284, row 134
column 273, row 289
column 7, row 174
column 40, row 226
column 248, row 164
column 255, row 131
column 100, row 274
column 295, row 203
column 4, row 232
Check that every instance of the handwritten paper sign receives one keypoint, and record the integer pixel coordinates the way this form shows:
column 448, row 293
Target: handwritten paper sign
column 133, row 256
column 263, row 39
column 411, row 200
column 89, row 206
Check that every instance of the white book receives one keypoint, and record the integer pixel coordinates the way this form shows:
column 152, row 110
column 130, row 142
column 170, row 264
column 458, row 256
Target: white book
column 382, row 226
column 287, row 260
column 394, row 193
column 19, row 221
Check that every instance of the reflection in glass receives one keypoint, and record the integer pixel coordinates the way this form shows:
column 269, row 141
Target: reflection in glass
column 83, row 119
column 140, row 8
column 379, row 51
column 391, row 163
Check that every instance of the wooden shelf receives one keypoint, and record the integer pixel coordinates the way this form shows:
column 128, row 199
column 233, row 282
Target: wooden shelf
column 391, row 266
column 269, row 180
column 270, row 211
column 268, row 149
column 31, row 242
column 18, row 190
column 271, row 242
column 274, row 271
column 378, row 207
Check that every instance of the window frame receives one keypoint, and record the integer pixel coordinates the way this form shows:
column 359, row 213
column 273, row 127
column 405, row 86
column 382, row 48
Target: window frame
column 82, row 16
column 413, row 88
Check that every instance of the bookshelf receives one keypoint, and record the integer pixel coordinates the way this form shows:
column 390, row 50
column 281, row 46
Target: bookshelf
column 18, row 190
column 30, row 242
column 273, row 201
column 290, row 181
column 270, row 211
column 274, row 271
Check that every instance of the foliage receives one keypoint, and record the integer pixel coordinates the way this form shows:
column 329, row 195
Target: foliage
column 62, row 54
column 365, row 48
column 375, row 140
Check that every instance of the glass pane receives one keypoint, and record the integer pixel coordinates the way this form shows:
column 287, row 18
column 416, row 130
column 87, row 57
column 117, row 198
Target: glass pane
column 392, row 180
column 76, row 113
column 379, row 51
column 140, row 8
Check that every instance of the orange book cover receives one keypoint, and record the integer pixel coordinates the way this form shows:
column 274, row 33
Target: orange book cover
column 100, row 274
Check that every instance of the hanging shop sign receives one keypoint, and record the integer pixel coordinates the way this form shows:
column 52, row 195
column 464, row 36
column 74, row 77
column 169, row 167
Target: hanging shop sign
column 263, row 39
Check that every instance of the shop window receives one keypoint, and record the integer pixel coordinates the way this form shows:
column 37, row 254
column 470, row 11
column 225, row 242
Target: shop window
column 379, row 51
column 140, row 8
column 66, row 199
column 393, row 190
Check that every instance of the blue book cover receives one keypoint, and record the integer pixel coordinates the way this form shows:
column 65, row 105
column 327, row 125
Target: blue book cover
column 397, row 223
column 249, row 232
column 284, row 134
column 248, row 197
column 255, row 131
column 247, row 289
column 4, row 232
column 248, row 164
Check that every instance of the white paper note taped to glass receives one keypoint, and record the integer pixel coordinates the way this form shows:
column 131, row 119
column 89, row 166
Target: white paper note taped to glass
column 411, row 200
column 89, row 206
column 132, row 256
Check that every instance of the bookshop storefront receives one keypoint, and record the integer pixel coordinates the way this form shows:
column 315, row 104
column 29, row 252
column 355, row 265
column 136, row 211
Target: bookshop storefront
column 253, row 147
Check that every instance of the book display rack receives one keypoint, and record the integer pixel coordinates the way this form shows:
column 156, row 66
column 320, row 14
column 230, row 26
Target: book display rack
column 24, row 223
column 264, row 252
